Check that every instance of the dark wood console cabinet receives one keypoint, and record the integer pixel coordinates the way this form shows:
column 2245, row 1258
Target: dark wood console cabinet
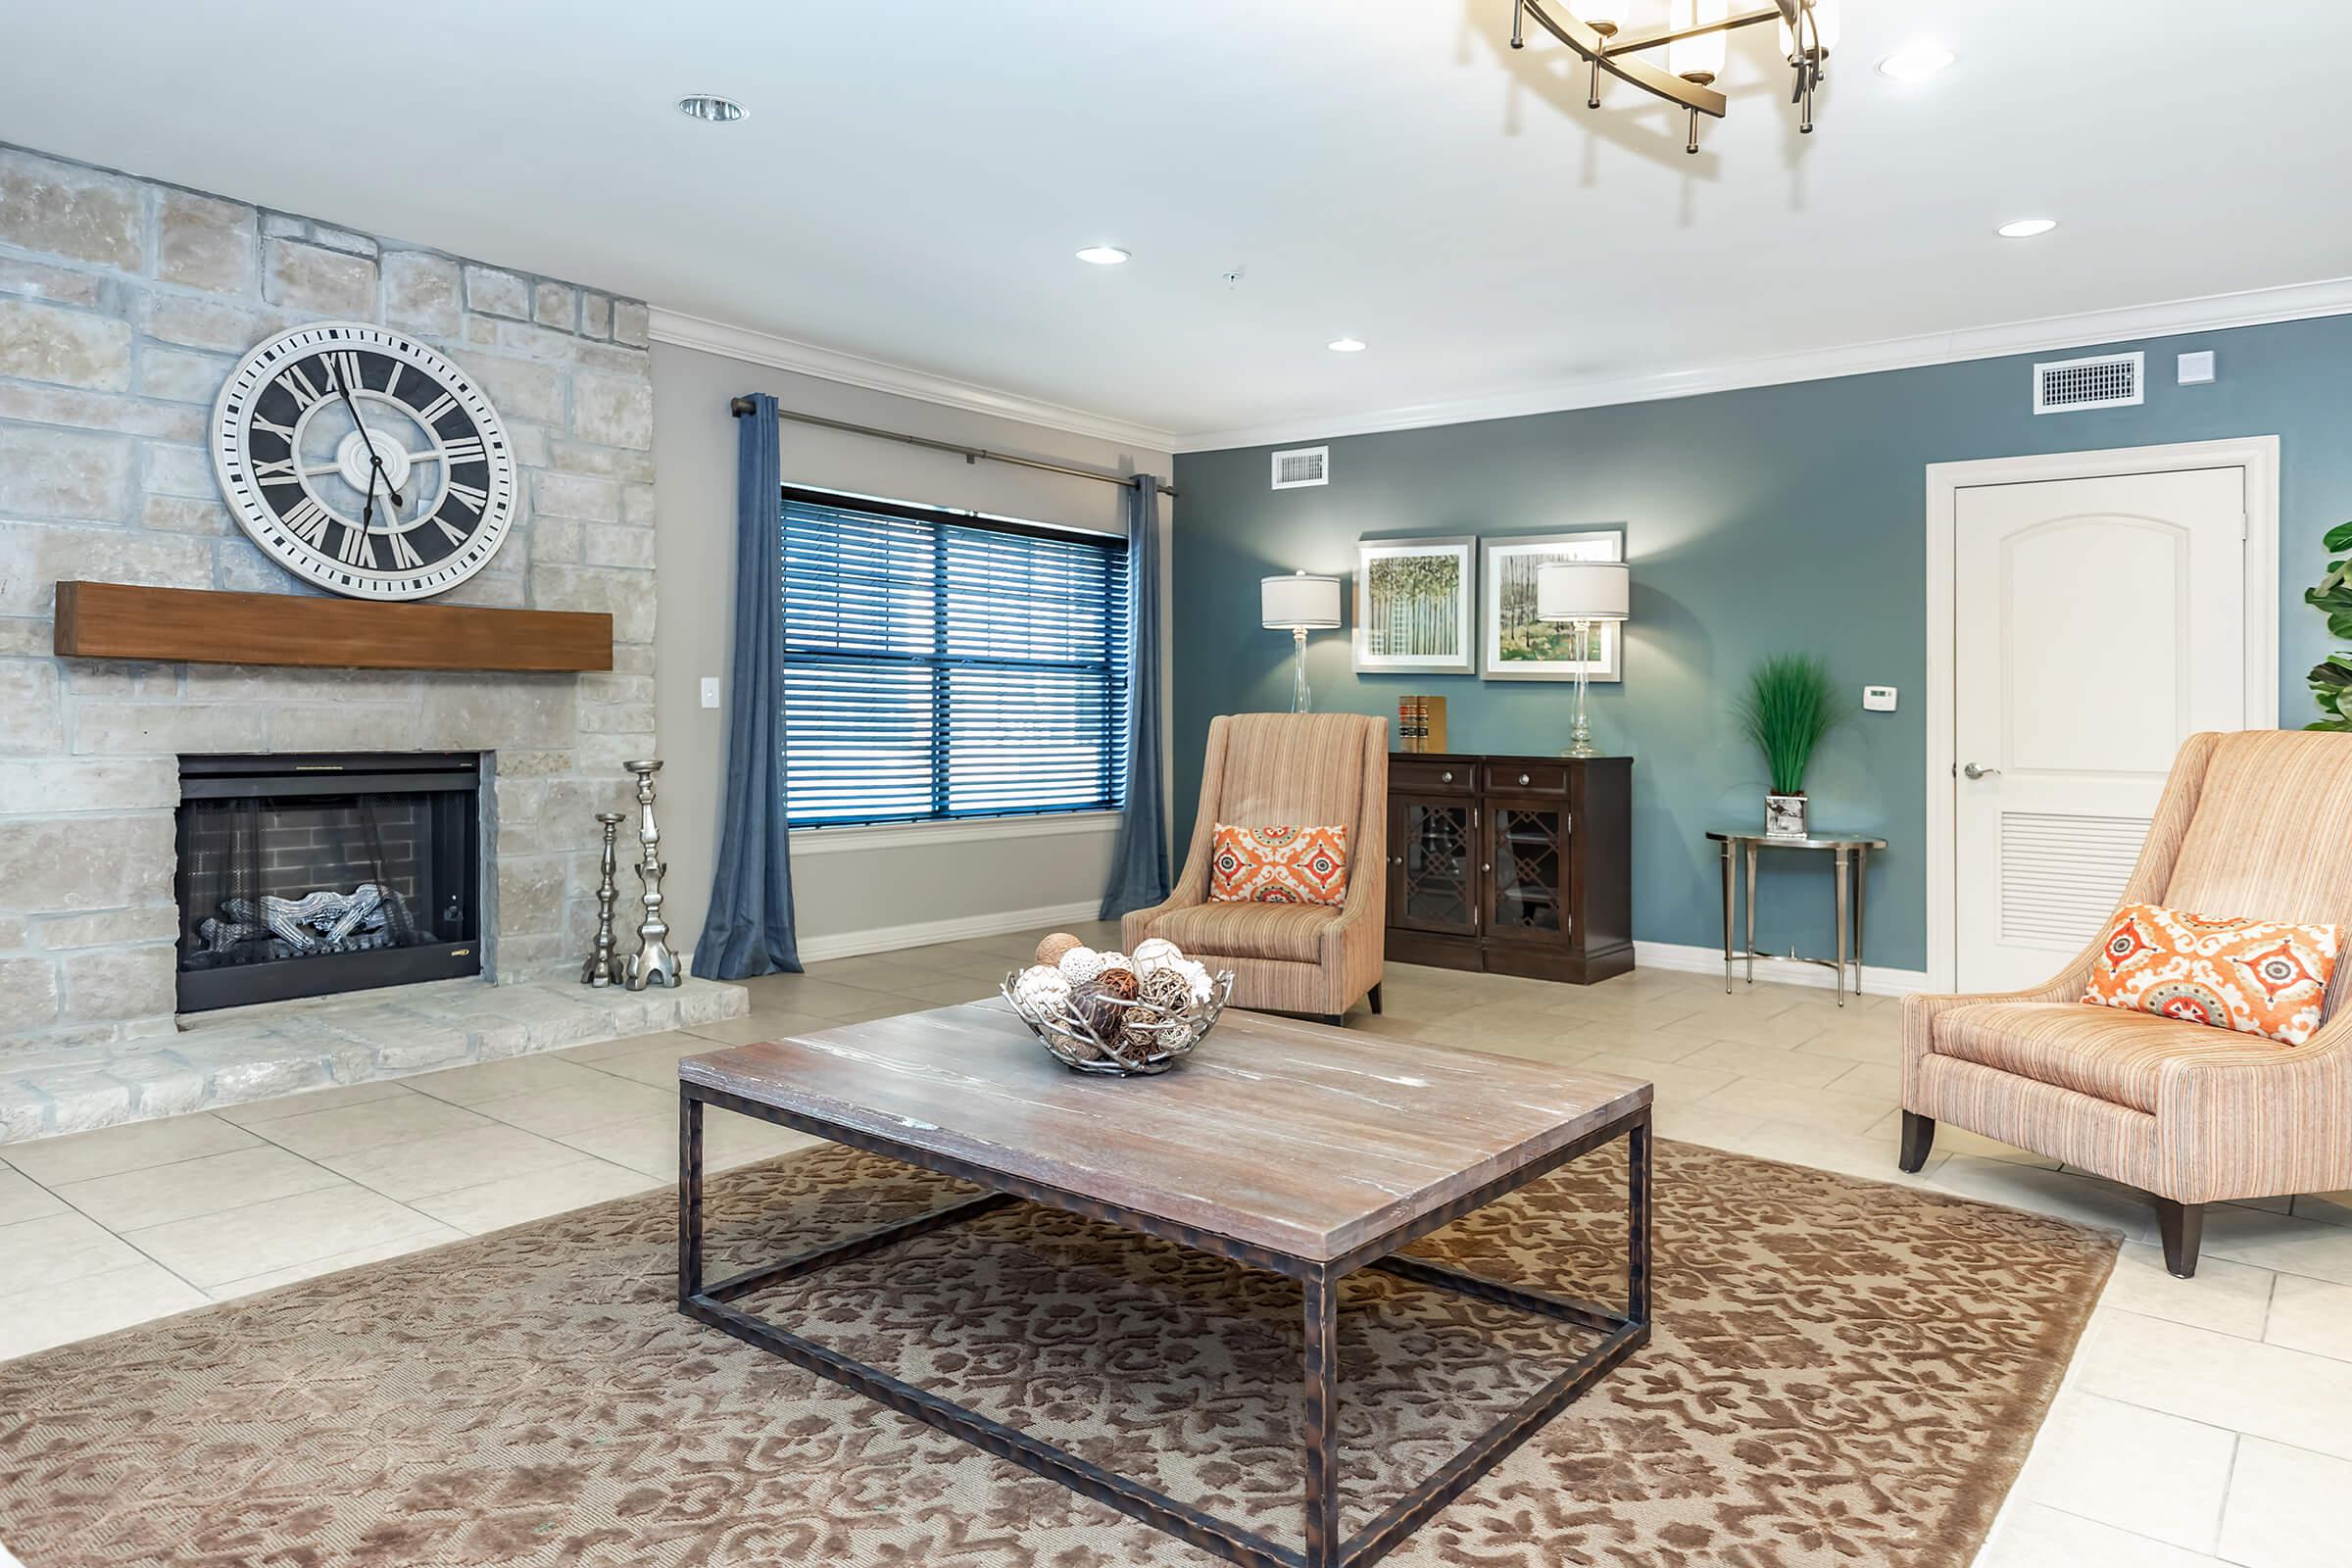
column 1514, row 865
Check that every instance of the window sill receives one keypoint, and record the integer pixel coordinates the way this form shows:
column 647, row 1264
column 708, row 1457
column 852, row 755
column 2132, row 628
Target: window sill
column 972, row 830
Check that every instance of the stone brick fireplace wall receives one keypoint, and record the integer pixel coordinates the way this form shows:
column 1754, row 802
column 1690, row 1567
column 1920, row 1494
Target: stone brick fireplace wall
column 124, row 303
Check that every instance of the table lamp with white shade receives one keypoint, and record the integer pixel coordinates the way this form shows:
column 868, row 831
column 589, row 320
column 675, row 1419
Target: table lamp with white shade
column 1298, row 604
column 1584, row 594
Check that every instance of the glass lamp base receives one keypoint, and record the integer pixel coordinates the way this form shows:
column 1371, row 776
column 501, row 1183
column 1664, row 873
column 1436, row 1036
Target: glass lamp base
column 1303, row 698
column 1580, row 734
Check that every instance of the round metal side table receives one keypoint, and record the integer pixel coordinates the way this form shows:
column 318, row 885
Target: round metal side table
column 1849, row 856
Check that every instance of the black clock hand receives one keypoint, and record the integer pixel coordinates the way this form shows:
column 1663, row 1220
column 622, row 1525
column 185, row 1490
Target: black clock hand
column 375, row 466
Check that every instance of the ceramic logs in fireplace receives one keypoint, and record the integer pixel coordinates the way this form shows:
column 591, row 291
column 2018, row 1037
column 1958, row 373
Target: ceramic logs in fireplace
column 305, row 875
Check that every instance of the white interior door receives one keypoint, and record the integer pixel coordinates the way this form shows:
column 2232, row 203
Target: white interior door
column 2098, row 623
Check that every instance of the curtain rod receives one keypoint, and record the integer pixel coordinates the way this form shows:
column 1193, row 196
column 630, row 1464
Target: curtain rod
column 743, row 406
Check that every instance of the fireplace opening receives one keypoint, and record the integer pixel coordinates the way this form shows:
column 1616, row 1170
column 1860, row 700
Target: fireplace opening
column 306, row 875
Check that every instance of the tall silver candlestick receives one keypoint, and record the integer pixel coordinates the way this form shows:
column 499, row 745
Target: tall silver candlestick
column 599, row 969
column 654, row 964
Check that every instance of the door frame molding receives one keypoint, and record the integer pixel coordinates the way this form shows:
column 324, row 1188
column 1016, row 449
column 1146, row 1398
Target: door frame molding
column 2258, row 455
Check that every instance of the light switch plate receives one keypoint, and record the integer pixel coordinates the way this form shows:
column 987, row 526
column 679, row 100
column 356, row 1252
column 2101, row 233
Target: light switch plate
column 2197, row 368
column 1878, row 699
column 709, row 691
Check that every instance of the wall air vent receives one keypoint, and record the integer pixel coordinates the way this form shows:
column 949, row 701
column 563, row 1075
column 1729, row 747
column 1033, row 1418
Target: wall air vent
column 2112, row 382
column 1301, row 466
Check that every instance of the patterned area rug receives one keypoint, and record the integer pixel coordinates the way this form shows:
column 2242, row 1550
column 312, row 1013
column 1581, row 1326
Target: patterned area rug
column 1843, row 1372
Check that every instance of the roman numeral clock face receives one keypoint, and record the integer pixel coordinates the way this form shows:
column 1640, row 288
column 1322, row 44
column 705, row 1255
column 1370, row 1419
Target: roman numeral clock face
column 364, row 461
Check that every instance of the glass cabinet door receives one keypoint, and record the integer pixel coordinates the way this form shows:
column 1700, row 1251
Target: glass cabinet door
column 1526, row 872
column 1433, row 850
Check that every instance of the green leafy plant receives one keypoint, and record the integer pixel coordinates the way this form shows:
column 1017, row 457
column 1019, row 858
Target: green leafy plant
column 1787, row 708
column 2332, row 679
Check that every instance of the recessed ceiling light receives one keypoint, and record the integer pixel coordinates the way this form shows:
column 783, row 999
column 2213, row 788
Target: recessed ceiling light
column 1915, row 62
column 2028, row 227
column 1345, row 345
column 709, row 106
column 1103, row 255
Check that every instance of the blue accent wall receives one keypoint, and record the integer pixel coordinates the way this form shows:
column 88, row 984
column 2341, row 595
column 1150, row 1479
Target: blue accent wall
column 1783, row 517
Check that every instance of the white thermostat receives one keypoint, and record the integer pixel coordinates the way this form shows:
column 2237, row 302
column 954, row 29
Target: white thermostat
column 2197, row 368
column 1878, row 699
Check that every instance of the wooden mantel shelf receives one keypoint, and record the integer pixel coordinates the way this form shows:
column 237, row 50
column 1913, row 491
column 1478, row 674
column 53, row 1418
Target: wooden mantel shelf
column 197, row 626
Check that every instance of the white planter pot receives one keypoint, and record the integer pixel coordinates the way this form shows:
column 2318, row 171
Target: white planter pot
column 1784, row 816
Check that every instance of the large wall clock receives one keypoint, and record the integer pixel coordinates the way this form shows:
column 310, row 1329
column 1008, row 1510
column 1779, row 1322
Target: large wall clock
column 363, row 462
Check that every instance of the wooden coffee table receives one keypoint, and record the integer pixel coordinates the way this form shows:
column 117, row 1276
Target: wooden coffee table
column 1304, row 1150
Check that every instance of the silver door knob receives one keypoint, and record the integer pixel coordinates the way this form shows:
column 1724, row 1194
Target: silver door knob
column 1972, row 770
column 1523, row 778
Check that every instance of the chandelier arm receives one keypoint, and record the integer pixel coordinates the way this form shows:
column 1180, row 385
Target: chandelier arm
column 1649, row 78
column 1636, row 42
column 1808, row 71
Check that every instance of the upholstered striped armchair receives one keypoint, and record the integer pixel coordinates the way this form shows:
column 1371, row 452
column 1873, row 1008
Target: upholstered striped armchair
column 2250, row 824
column 1288, row 770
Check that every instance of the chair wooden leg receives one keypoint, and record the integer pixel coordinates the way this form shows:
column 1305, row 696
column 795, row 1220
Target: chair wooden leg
column 2182, row 1226
column 1375, row 1000
column 1919, row 1136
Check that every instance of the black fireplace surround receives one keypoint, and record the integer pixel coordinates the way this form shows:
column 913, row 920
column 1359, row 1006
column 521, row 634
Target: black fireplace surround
column 306, row 874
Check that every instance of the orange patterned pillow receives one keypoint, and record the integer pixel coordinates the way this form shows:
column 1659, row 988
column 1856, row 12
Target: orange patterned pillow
column 1279, row 866
column 2258, row 977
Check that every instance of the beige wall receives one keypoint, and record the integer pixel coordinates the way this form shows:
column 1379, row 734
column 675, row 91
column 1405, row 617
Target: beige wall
column 960, row 875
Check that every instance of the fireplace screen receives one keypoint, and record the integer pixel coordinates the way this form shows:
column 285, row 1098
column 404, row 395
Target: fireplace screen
column 302, row 876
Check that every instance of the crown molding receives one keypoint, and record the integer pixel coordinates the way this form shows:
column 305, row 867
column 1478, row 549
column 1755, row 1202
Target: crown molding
column 2211, row 313
column 876, row 376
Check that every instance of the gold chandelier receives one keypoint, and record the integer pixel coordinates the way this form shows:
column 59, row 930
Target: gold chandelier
column 1694, row 40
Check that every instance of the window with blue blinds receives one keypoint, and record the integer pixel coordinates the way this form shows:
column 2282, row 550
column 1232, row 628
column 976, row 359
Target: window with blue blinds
column 938, row 664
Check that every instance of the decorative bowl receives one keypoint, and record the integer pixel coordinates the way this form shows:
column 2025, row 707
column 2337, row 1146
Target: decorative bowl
column 1147, row 1038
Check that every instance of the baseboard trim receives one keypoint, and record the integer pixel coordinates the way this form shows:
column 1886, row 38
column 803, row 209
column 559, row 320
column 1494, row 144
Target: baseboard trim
column 923, row 934
column 1675, row 956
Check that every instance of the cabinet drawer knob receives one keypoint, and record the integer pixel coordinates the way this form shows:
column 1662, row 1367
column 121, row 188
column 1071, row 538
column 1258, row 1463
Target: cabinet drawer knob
column 1446, row 777
column 1523, row 778
column 1489, row 866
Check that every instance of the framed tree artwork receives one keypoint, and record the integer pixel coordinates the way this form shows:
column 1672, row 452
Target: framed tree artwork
column 1518, row 646
column 1415, row 605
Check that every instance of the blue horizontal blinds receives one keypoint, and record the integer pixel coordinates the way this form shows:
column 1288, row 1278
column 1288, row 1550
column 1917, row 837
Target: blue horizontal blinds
column 937, row 666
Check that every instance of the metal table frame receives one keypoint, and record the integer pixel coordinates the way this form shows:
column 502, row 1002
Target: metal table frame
column 1325, row 1546
column 1850, row 900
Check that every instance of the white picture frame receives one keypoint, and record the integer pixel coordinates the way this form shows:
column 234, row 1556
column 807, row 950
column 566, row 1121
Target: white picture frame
column 1416, row 606
column 1513, row 644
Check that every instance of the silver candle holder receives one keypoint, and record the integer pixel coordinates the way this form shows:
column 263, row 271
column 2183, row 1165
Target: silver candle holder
column 652, row 965
column 599, row 966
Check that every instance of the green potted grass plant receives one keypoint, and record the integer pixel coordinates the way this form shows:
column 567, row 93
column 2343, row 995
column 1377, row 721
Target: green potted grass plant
column 1787, row 709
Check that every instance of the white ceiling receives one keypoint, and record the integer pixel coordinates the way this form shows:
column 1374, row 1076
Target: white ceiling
column 914, row 175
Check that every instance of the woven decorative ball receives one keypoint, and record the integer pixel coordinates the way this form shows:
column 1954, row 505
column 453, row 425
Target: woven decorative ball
column 1167, row 990
column 1053, row 946
column 1106, row 1015
column 1120, row 985
column 1155, row 953
column 1195, row 979
column 1042, row 988
column 1080, row 966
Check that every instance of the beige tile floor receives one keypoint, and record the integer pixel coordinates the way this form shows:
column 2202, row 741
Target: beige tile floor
column 2207, row 1421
